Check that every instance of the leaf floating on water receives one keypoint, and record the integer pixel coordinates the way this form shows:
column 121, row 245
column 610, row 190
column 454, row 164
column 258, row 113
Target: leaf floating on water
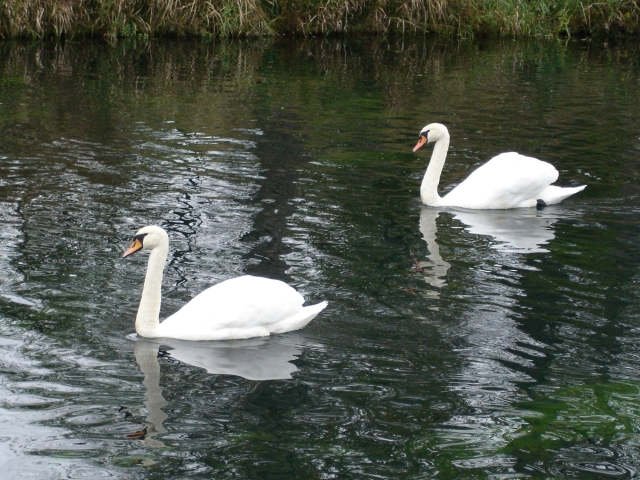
column 139, row 435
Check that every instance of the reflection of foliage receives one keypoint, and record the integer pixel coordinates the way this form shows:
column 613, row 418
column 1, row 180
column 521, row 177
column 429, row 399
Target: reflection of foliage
column 591, row 414
column 399, row 84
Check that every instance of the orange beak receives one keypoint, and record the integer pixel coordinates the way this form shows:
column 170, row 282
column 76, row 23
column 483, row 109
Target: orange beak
column 420, row 143
column 135, row 246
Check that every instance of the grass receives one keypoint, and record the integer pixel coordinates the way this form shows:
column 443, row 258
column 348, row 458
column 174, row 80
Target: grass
column 114, row 19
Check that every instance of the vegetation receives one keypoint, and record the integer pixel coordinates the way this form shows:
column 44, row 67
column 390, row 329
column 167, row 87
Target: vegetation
column 225, row 18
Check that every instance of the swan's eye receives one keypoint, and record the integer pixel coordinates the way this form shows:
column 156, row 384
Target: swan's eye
column 140, row 238
column 136, row 245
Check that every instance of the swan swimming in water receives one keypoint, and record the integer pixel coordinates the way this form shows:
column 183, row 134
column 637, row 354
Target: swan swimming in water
column 509, row 180
column 243, row 307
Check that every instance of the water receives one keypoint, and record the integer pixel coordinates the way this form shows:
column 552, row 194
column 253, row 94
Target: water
column 456, row 344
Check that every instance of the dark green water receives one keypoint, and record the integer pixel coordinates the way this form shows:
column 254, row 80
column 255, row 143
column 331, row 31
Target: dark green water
column 455, row 345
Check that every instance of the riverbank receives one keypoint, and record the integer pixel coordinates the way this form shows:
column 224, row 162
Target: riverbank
column 113, row 19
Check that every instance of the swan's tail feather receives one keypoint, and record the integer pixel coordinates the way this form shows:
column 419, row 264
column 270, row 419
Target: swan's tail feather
column 300, row 320
column 553, row 194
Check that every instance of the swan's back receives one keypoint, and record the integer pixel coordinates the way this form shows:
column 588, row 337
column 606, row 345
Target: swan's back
column 242, row 307
column 509, row 180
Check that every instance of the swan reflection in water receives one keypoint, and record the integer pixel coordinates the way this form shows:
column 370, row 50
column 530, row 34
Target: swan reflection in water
column 515, row 231
column 254, row 359
column 496, row 353
column 435, row 269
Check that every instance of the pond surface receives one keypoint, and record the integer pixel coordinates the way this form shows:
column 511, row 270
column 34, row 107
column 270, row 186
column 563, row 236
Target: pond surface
column 456, row 344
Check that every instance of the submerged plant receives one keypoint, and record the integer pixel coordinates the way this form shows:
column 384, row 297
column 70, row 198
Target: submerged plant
column 599, row 414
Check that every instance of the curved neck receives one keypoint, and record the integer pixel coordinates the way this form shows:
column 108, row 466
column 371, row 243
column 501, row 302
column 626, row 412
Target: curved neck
column 148, row 317
column 429, row 188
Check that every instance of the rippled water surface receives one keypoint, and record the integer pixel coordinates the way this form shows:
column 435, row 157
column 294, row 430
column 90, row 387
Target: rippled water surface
column 456, row 344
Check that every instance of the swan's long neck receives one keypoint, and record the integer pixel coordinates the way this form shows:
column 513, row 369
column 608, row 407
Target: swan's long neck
column 429, row 187
column 148, row 317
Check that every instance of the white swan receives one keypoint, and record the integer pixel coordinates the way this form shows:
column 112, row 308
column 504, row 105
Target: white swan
column 243, row 307
column 509, row 180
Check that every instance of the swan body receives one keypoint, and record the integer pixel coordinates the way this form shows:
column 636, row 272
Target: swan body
column 509, row 180
column 243, row 307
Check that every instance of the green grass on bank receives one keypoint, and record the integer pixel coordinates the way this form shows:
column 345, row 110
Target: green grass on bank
column 114, row 19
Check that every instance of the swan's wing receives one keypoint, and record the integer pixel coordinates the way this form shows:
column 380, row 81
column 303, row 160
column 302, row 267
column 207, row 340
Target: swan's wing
column 509, row 180
column 299, row 320
column 243, row 303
